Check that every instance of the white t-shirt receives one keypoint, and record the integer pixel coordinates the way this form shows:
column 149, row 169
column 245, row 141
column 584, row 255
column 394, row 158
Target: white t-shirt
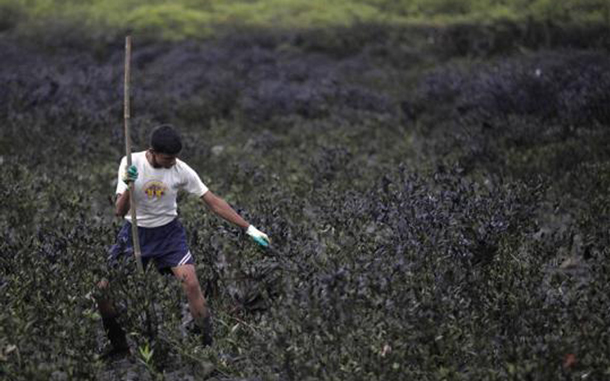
column 156, row 189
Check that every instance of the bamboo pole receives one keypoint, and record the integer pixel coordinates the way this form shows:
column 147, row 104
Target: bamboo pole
column 127, row 117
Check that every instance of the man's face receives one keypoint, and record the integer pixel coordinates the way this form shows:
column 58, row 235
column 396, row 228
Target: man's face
column 163, row 160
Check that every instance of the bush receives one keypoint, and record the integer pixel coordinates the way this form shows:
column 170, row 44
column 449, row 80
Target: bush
column 106, row 20
column 518, row 106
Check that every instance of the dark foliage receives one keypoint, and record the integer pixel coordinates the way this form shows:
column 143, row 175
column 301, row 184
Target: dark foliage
column 429, row 221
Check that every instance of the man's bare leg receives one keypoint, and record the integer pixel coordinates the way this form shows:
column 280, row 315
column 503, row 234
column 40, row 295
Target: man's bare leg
column 197, row 303
column 115, row 333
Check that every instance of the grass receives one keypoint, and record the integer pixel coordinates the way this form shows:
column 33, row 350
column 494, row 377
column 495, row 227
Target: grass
column 182, row 19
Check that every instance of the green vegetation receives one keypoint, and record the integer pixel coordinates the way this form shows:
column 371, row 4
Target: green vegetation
column 173, row 20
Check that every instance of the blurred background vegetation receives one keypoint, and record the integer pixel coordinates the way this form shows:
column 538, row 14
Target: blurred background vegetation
column 174, row 20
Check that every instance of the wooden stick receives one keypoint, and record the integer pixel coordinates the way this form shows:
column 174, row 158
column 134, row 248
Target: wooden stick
column 132, row 199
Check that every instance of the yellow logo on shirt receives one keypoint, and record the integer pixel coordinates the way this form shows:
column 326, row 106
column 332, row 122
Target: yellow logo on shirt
column 154, row 189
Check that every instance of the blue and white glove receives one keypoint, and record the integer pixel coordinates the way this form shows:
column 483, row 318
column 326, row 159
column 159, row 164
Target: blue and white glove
column 130, row 175
column 258, row 236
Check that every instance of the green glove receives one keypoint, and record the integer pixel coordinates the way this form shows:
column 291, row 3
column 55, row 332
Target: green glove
column 130, row 175
column 258, row 236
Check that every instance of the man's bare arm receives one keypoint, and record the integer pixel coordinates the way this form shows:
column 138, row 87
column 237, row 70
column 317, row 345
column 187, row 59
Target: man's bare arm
column 222, row 209
column 122, row 204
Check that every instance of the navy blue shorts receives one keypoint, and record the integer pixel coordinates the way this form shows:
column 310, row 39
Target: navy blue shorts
column 165, row 244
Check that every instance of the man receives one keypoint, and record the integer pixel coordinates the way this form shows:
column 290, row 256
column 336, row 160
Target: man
column 158, row 175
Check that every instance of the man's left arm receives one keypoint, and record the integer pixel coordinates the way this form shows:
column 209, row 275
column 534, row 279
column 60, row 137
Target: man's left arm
column 222, row 209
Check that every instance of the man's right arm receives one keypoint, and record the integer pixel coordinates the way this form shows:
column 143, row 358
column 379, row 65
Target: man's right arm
column 125, row 177
column 122, row 204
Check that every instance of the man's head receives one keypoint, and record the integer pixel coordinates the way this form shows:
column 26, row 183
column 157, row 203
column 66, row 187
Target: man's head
column 165, row 145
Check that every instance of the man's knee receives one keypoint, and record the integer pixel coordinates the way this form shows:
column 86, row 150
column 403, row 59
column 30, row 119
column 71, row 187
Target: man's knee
column 102, row 284
column 101, row 291
column 191, row 285
column 188, row 278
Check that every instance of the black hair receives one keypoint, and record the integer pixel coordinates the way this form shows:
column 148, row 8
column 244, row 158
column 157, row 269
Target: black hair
column 165, row 139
